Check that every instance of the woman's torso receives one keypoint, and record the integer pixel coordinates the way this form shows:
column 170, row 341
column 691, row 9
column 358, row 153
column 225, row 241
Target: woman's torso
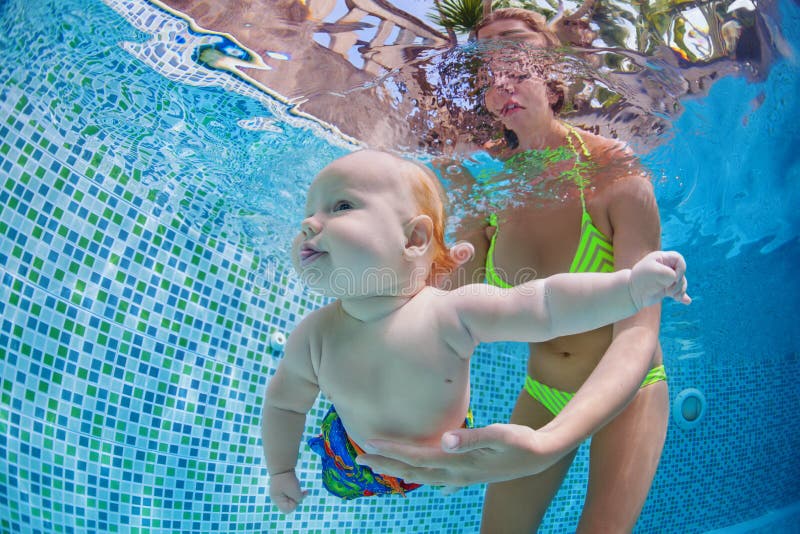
column 539, row 236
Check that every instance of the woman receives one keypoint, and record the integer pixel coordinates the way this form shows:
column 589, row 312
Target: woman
column 601, row 215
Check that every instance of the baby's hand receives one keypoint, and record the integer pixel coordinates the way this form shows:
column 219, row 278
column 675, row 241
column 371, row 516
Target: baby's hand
column 284, row 490
column 658, row 275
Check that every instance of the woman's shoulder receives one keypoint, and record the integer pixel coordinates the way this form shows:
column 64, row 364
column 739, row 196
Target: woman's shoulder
column 616, row 164
column 628, row 187
column 607, row 150
column 620, row 181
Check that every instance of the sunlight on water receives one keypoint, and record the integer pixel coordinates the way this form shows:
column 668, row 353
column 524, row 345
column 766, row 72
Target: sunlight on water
column 431, row 103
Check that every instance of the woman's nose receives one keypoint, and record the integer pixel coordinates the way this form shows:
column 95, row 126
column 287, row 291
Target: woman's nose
column 503, row 83
column 310, row 226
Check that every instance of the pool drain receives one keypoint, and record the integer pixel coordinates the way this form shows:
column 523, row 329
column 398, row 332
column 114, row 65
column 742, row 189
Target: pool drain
column 689, row 408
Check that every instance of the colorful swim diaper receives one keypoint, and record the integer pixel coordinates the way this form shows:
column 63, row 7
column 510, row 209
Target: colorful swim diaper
column 341, row 475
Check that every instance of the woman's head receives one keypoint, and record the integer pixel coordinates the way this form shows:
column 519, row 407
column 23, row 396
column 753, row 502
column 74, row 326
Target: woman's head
column 520, row 79
column 523, row 94
column 517, row 24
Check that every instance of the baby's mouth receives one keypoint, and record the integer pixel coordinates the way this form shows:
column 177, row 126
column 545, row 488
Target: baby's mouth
column 309, row 254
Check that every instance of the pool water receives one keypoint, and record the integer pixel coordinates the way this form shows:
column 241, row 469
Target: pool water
column 146, row 205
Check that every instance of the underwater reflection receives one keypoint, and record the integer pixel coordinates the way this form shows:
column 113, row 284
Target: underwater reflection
column 384, row 78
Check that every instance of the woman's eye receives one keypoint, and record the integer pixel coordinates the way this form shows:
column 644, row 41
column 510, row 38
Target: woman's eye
column 342, row 205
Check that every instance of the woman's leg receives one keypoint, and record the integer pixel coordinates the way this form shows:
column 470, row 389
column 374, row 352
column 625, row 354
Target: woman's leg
column 517, row 506
column 623, row 460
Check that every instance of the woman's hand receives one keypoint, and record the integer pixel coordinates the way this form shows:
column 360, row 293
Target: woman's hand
column 467, row 456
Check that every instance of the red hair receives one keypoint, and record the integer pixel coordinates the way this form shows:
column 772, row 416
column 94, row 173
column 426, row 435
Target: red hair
column 432, row 201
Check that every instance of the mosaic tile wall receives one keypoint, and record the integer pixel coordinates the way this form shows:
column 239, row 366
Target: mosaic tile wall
column 135, row 350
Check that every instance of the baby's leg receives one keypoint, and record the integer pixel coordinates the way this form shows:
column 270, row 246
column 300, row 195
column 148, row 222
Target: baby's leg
column 519, row 505
column 623, row 460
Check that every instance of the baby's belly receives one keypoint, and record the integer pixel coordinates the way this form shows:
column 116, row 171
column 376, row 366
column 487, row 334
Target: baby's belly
column 402, row 422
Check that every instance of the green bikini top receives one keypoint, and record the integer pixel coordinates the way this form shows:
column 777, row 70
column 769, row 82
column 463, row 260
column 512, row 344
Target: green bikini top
column 595, row 251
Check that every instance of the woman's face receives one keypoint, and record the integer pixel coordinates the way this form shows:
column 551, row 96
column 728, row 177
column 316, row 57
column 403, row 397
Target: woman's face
column 513, row 30
column 519, row 99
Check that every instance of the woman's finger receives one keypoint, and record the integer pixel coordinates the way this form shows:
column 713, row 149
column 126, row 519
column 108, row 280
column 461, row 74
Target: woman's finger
column 418, row 455
column 392, row 467
column 469, row 439
column 409, row 473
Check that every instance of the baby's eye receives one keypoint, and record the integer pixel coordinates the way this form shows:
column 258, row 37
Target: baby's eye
column 342, row 205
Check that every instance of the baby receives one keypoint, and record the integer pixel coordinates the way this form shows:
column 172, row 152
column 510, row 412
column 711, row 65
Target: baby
column 392, row 353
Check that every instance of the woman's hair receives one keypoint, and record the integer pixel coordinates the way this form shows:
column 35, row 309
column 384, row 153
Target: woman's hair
column 535, row 22
column 432, row 201
column 511, row 138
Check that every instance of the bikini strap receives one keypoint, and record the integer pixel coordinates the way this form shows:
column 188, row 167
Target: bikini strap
column 580, row 181
column 491, row 273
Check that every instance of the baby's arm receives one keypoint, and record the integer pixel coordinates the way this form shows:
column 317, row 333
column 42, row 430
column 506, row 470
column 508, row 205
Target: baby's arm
column 566, row 304
column 290, row 395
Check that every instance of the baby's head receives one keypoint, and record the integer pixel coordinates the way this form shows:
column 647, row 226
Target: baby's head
column 374, row 225
column 431, row 201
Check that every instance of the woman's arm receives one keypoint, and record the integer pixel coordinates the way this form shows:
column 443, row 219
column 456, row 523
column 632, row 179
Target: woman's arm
column 633, row 215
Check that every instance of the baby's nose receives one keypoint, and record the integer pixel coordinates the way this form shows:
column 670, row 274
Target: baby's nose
column 310, row 226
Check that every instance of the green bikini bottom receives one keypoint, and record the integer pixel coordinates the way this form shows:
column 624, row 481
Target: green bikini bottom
column 555, row 400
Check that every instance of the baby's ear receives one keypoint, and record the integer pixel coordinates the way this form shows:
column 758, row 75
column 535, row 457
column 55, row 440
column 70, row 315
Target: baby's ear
column 419, row 233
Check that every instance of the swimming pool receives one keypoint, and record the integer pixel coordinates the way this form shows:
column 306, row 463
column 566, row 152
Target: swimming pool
column 144, row 215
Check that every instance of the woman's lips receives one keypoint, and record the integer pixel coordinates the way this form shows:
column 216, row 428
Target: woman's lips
column 509, row 108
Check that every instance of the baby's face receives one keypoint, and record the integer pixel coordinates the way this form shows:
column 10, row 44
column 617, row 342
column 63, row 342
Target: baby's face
column 352, row 238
